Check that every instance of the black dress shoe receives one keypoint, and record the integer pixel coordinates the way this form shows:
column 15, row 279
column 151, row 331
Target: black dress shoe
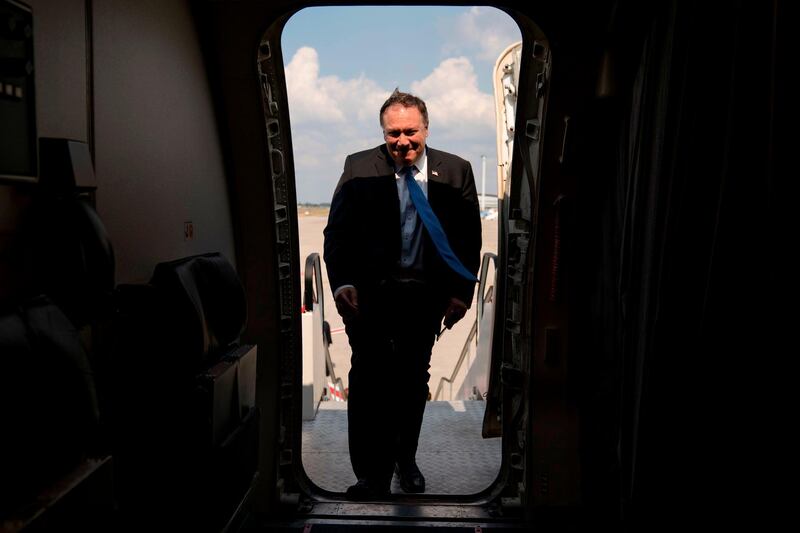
column 411, row 479
column 362, row 491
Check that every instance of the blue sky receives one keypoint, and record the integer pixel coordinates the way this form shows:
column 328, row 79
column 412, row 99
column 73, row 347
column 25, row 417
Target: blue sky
column 342, row 62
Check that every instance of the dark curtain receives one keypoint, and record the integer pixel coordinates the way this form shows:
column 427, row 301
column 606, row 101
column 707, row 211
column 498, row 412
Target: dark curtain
column 678, row 222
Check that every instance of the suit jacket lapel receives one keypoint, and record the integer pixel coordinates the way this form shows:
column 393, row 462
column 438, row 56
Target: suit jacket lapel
column 384, row 166
column 383, row 163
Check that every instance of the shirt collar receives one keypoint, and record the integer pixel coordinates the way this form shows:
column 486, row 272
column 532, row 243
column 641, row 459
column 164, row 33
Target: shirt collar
column 422, row 167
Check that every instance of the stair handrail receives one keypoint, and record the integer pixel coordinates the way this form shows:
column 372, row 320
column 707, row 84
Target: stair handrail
column 313, row 280
column 484, row 295
column 487, row 258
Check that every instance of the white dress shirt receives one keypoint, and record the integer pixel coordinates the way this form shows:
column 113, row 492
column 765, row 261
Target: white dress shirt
column 410, row 223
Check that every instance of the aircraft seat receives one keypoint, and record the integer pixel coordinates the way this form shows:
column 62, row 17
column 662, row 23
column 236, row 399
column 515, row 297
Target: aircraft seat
column 208, row 301
column 51, row 401
column 66, row 249
column 185, row 385
column 48, row 402
column 70, row 257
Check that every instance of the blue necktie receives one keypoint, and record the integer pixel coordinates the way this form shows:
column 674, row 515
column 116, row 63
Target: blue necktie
column 433, row 226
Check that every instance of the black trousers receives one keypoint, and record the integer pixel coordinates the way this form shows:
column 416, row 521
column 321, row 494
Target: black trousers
column 391, row 341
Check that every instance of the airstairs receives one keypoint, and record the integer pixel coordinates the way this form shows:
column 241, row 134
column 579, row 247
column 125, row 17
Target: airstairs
column 454, row 456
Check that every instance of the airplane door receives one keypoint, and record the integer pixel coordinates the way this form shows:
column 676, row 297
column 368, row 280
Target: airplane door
column 520, row 69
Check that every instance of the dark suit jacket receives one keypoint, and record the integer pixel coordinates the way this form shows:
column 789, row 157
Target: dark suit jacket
column 362, row 238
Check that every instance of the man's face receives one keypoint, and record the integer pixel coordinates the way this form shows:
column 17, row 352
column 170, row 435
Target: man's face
column 405, row 133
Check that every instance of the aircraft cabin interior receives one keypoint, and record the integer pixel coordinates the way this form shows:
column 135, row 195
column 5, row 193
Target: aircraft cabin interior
column 151, row 297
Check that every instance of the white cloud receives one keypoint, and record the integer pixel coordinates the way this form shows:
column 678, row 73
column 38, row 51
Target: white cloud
column 309, row 145
column 328, row 99
column 484, row 31
column 457, row 108
column 309, row 96
column 333, row 117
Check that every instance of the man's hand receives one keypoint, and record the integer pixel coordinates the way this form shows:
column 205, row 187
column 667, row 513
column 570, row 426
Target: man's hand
column 456, row 310
column 347, row 303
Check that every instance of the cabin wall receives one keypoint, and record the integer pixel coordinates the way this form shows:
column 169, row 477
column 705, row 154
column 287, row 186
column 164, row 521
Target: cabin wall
column 158, row 160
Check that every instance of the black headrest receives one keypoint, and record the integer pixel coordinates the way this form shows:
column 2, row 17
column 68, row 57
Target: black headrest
column 210, row 299
column 70, row 256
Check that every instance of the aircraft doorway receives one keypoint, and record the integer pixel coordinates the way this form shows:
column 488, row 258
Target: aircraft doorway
column 334, row 114
column 452, row 453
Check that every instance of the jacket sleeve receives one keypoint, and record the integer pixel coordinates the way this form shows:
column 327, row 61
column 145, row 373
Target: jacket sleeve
column 469, row 238
column 339, row 248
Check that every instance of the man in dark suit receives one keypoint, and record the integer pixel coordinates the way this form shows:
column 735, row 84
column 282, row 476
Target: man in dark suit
column 394, row 281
